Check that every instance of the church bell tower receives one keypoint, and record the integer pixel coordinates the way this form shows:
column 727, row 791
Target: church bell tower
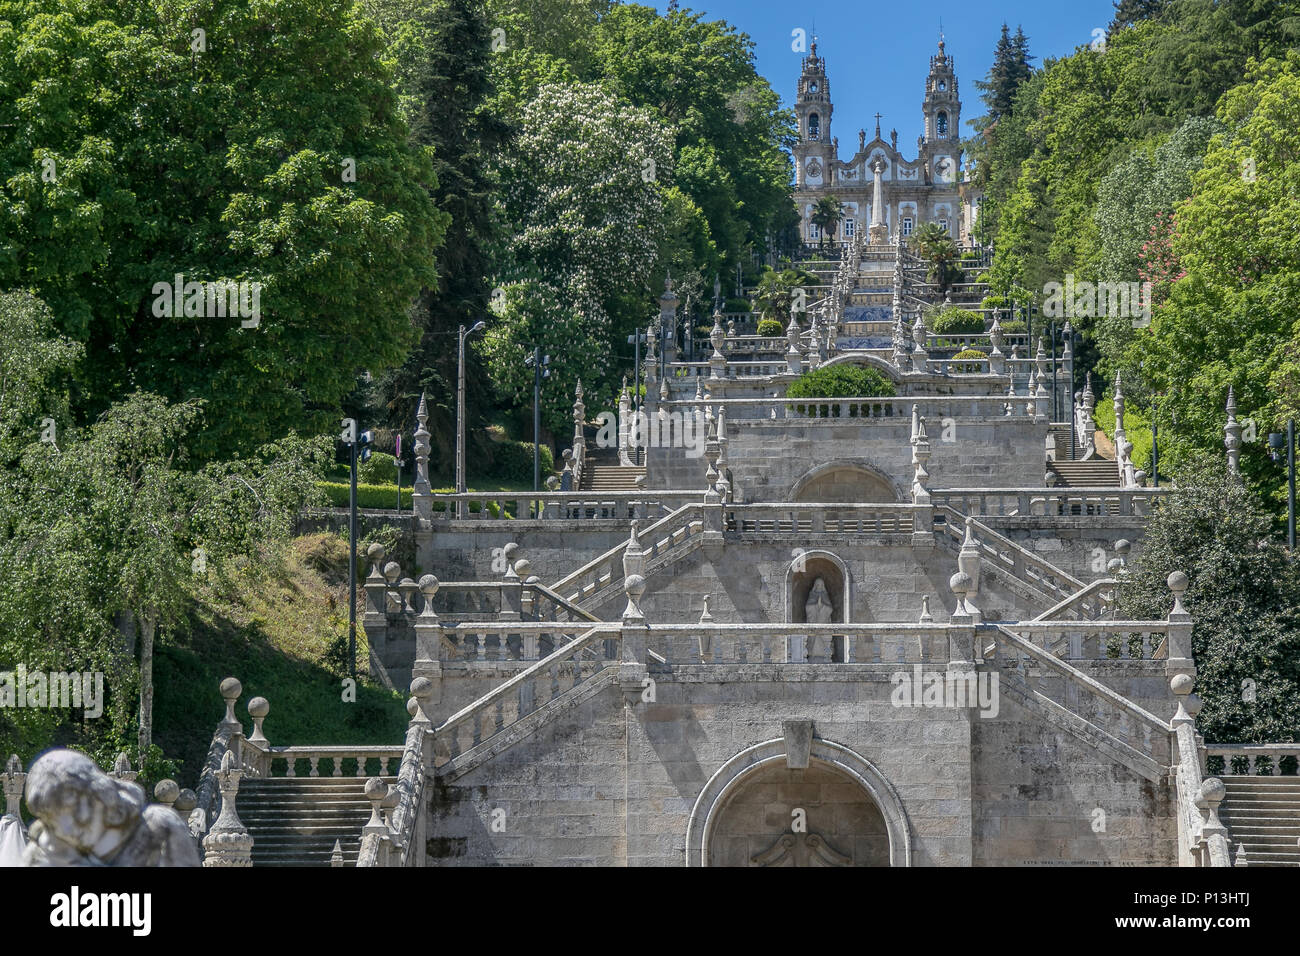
column 814, row 152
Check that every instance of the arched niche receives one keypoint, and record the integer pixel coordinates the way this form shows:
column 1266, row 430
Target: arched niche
column 847, row 481
column 726, row 810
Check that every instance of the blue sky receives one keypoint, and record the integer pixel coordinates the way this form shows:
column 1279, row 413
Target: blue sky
column 878, row 54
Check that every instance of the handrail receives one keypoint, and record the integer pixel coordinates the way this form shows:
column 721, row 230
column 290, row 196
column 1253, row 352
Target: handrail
column 619, row 548
column 601, row 632
column 562, row 602
column 1093, row 687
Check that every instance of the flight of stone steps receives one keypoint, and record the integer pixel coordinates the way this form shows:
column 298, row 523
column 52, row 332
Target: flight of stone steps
column 1263, row 813
column 294, row 821
column 1093, row 473
column 611, row 477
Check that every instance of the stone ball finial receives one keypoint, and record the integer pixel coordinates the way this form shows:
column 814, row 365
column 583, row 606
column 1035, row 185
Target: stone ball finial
column 231, row 688
column 421, row 688
column 259, row 707
column 509, row 550
column 1114, row 565
column 412, row 706
column 392, row 571
column 376, row 789
column 375, row 553
column 428, row 585
column 166, row 791
column 960, row 583
column 1182, row 684
column 522, row 567
column 1123, row 546
column 186, row 800
column 1213, row 791
column 1177, row 582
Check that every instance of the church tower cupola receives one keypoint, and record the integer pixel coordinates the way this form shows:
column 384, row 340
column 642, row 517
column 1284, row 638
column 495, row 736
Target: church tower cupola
column 942, row 107
column 814, row 153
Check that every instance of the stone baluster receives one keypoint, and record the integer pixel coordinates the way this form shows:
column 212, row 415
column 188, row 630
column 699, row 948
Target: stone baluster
column 711, row 455
column 228, row 842
column 13, row 780
column 793, row 357
column 1232, row 436
column 723, row 483
column 421, row 495
column 635, row 634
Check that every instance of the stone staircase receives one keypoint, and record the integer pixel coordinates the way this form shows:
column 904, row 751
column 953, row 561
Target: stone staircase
column 611, row 477
column 294, row 821
column 1263, row 814
column 1093, row 473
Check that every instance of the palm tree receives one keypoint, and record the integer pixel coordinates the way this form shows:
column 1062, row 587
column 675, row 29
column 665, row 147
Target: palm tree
column 826, row 214
column 933, row 244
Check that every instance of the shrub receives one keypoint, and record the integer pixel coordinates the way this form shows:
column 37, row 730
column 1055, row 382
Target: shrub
column 970, row 366
column 771, row 328
column 379, row 470
column 956, row 321
column 368, row 496
column 839, row 381
column 513, row 461
column 1014, row 327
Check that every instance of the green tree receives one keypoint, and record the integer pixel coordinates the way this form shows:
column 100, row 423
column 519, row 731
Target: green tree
column 933, row 244
column 826, row 215
column 1244, row 597
column 131, row 158
column 778, row 293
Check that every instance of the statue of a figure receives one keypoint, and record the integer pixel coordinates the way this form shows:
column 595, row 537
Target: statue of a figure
column 817, row 610
column 87, row 818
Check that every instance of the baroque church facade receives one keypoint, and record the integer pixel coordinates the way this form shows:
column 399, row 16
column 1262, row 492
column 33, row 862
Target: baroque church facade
column 908, row 192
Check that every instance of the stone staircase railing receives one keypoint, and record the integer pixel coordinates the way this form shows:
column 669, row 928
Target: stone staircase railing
column 538, row 686
column 823, row 518
column 1101, row 589
column 398, row 840
column 559, row 505
column 1028, row 502
column 1251, row 759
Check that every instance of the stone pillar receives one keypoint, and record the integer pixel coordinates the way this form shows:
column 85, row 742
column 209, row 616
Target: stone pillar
column 228, row 842
column 650, row 364
column 793, row 355
column 1213, row 832
column 374, row 620
column 997, row 361
column 13, row 780
column 1040, row 380
column 717, row 337
column 962, row 652
column 878, row 232
column 1089, row 421
column 968, row 562
column 1179, row 658
column 920, row 356
column 428, row 639
column 1232, row 436
column 923, row 516
column 421, row 500
column 668, row 322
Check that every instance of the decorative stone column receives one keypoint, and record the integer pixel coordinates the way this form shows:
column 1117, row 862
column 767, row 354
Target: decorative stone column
column 421, row 500
column 923, row 516
column 706, row 633
column 920, row 356
column 512, row 597
column 1232, row 436
column 1089, row 421
column 997, row 361
column 1040, row 380
column 962, row 654
column 878, row 231
column 428, row 638
column 968, row 562
column 632, row 667
column 1179, row 659
column 793, row 357
column 717, row 337
column 228, row 842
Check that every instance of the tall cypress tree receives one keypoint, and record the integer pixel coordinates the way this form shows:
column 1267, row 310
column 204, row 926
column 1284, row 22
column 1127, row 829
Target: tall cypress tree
column 442, row 52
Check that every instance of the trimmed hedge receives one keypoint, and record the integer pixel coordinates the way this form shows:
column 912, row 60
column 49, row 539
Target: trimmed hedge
column 840, row 381
column 1014, row 327
column 972, row 366
column 956, row 321
column 384, row 497
column 771, row 328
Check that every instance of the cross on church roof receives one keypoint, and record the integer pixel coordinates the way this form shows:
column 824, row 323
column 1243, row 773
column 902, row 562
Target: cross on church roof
column 878, row 115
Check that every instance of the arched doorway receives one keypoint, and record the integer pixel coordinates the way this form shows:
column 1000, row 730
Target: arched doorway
column 837, row 810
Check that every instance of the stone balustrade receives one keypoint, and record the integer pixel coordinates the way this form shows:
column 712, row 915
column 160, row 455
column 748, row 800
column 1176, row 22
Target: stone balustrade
column 1268, row 760
column 1098, row 640
column 786, row 643
column 559, row 505
column 510, row 641
column 1008, row 556
column 820, row 518
column 606, row 569
column 933, row 407
column 1035, row 502
column 524, row 694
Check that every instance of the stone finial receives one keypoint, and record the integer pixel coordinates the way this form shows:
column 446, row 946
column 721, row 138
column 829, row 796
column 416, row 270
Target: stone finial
column 926, row 617
column 1232, row 436
column 336, row 857
column 968, row 559
column 228, row 843
column 717, row 361
column 231, row 688
column 422, row 503
column 12, row 780
column 793, row 355
column 166, row 792
column 122, row 769
column 919, row 334
column 375, row 555
column 960, row 585
column 376, row 790
column 508, row 553
column 392, row 573
column 650, row 338
column 1178, row 585
column 428, row 589
column 1240, row 858
column 1181, row 685
column 706, row 632
column 421, row 700
column 258, row 708
column 633, row 579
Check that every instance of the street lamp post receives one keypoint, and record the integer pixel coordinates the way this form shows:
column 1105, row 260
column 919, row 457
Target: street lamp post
column 460, row 416
column 1275, row 441
column 540, row 364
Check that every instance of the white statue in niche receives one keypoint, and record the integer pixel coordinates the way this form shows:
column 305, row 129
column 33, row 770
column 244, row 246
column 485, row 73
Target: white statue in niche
column 817, row 610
